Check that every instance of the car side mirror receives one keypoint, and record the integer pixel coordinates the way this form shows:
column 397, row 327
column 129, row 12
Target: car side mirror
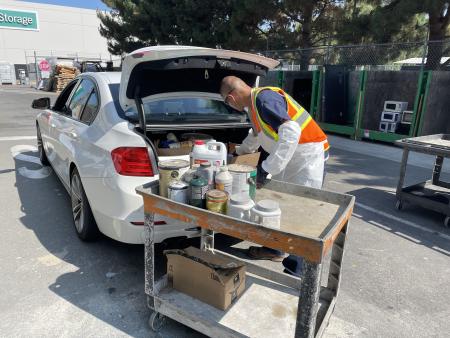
column 42, row 103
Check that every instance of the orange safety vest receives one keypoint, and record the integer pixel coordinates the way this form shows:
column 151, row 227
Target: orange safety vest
column 311, row 131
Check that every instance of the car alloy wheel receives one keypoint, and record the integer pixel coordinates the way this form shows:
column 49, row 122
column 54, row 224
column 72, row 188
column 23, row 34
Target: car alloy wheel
column 42, row 155
column 83, row 219
column 77, row 203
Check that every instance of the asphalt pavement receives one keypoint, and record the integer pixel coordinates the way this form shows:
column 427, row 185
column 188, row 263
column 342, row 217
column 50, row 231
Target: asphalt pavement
column 396, row 271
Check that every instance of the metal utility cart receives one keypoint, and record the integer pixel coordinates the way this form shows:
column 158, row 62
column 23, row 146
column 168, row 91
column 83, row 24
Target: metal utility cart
column 274, row 304
column 432, row 194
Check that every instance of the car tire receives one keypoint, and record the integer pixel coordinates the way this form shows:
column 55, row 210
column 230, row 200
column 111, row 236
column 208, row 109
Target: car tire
column 83, row 219
column 42, row 155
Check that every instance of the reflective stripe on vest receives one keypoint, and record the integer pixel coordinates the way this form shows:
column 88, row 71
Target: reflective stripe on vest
column 311, row 131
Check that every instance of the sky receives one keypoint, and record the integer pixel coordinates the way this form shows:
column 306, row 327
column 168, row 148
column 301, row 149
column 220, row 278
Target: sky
column 90, row 4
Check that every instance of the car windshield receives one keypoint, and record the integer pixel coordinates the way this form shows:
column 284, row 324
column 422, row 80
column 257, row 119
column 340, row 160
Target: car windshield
column 185, row 110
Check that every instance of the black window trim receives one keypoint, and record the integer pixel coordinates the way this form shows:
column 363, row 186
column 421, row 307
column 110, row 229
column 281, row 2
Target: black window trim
column 77, row 83
column 94, row 115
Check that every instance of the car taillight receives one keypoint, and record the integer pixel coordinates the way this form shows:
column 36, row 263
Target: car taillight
column 132, row 161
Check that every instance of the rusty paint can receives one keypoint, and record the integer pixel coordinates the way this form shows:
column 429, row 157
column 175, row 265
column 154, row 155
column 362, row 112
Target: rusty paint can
column 170, row 171
column 216, row 201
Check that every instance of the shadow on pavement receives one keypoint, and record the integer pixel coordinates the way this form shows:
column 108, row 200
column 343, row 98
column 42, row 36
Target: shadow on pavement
column 414, row 216
column 107, row 280
column 366, row 170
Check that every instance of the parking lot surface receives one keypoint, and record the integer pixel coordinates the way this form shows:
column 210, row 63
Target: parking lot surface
column 396, row 271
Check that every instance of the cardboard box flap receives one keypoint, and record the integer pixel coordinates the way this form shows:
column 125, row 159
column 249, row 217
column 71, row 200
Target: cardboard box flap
column 211, row 261
column 247, row 159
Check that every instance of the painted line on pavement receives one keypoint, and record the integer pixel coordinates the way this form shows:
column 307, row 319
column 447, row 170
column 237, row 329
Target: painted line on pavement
column 17, row 138
column 26, row 91
column 17, row 153
column 401, row 220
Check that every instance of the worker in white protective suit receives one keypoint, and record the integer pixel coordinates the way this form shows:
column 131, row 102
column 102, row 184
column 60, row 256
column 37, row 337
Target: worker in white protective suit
column 296, row 145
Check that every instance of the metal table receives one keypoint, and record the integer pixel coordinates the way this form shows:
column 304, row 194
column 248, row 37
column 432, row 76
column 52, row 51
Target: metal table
column 432, row 194
column 274, row 304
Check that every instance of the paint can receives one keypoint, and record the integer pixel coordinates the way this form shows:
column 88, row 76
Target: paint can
column 178, row 191
column 199, row 187
column 244, row 179
column 170, row 171
column 216, row 201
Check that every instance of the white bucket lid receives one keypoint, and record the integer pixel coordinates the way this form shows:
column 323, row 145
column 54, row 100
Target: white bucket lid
column 267, row 205
column 178, row 185
column 173, row 164
column 239, row 199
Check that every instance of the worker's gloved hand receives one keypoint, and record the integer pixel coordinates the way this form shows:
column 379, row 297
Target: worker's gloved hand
column 262, row 178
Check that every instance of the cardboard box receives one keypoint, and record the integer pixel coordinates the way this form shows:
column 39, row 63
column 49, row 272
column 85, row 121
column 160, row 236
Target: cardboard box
column 185, row 150
column 214, row 280
column 248, row 159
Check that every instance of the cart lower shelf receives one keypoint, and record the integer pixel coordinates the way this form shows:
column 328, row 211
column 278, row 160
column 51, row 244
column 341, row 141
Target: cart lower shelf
column 265, row 309
column 427, row 195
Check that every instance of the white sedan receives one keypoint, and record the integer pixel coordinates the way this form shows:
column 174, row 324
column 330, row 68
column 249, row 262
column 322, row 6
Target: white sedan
column 102, row 133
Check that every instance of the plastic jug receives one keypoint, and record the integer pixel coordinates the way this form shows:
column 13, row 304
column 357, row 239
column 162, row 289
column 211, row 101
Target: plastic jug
column 206, row 171
column 212, row 152
column 224, row 180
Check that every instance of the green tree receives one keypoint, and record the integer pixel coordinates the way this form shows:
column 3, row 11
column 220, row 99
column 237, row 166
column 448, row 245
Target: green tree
column 382, row 21
column 223, row 24
column 243, row 25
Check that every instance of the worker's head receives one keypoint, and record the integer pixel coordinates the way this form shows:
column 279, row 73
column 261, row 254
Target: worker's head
column 235, row 92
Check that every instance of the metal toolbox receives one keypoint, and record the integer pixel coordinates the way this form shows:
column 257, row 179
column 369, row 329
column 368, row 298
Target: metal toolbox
column 397, row 106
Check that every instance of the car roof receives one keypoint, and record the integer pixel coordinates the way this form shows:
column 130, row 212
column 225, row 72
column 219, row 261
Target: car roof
column 108, row 77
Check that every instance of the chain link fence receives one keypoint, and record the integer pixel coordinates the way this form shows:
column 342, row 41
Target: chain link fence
column 33, row 58
column 388, row 56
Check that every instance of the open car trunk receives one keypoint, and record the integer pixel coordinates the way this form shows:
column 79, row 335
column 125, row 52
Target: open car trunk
column 226, row 136
column 163, row 71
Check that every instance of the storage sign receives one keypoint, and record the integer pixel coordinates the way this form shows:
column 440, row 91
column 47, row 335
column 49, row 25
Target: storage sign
column 13, row 19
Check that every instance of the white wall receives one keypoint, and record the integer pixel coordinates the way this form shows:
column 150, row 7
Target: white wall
column 64, row 31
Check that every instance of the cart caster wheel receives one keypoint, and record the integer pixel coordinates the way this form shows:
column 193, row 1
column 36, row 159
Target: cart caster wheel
column 447, row 221
column 156, row 321
column 399, row 205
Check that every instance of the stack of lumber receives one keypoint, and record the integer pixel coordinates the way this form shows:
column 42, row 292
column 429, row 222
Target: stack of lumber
column 63, row 75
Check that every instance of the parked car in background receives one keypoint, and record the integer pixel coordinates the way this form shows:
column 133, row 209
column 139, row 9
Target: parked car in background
column 101, row 134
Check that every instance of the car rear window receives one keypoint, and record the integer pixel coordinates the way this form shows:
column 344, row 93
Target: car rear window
column 182, row 110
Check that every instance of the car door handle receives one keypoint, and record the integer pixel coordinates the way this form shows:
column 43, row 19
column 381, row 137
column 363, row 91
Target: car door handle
column 52, row 125
column 73, row 134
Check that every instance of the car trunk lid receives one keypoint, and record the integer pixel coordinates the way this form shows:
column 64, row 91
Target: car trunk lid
column 165, row 69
